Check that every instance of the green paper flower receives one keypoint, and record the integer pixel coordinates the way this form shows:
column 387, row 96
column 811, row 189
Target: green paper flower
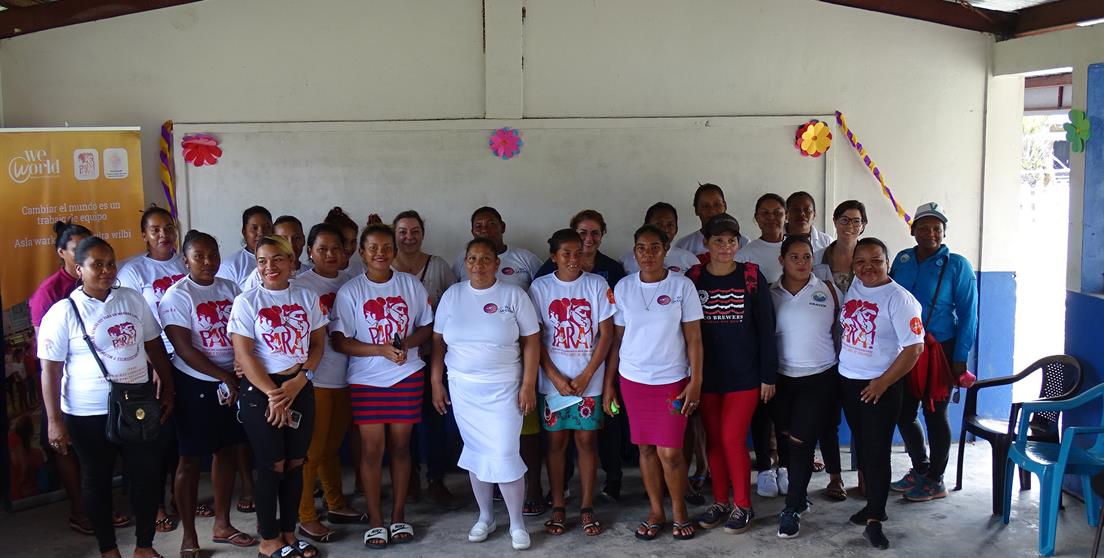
column 1077, row 130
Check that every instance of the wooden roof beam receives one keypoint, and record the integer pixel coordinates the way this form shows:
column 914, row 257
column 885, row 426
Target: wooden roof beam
column 40, row 17
column 942, row 12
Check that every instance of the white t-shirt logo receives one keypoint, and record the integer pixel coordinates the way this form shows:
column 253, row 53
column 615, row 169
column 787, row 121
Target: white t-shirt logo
column 284, row 328
column 212, row 318
column 573, row 323
column 386, row 317
column 490, row 308
column 508, row 271
column 859, row 328
column 663, row 300
column 122, row 335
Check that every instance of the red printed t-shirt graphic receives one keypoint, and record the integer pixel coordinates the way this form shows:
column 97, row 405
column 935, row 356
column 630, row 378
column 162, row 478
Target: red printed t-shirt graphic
column 573, row 323
column 213, row 317
column 326, row 302
column 161, row 285
column 387, row 317
column 859, row 328
column 284, row 327
column 122, row 335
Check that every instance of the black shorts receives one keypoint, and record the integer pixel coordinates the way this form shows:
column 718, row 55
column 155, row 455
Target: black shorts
column 203, row 427
column 271, row 444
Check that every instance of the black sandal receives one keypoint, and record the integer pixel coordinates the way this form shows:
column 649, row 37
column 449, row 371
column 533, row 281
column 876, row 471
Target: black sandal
column 651, row 531
column 282, row 552
column 554, row 527
column 303, row 547
column 685, row 531
column 593, row 527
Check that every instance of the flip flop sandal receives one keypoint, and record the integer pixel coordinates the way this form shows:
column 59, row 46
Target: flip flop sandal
column 303, row 547
column 120, row 521
column 246, row 506
column 323, row 538
column 376, row 534
column 556, row 527
column 76, row 526
column 651, row 531
column 203, row 510
column 282, row 552
column 533, row 508
column 238, row 539
column 347, row 519
column 685, row 531
column 189, row 552
column 593, row 527
column 401, row 528
column 835, row 493
column 166, row 525
column 818, row 465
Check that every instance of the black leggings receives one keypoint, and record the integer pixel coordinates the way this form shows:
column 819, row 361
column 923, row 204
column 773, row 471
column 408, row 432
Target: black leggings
column 829, row 439
column 939, row 431
column 272, row 445
column 97, row 456
column 873, row 424
column 800, row 409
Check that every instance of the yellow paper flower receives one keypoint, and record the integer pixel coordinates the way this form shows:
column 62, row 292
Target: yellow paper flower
column 815, row 139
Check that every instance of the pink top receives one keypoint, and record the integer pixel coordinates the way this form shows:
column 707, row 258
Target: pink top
column 51, row 290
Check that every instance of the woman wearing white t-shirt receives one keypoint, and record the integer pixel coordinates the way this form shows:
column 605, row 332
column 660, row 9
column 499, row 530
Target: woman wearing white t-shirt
column 486, row 331
column 882, row 338
column 576, row 310
column 256, row 223
column 770, row 216
column 379, row 319
column 805, row 310
column 663, row 216
column 332, row 410
column 657, row 353
column 279, row 336
column 195, row 312
column 75, row 393
column 151, row 274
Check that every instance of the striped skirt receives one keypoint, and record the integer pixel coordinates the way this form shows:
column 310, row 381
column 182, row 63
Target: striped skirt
column 400, row 403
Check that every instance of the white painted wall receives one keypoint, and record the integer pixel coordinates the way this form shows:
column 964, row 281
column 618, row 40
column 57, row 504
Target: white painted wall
column 914, row 92
column 1074, row 48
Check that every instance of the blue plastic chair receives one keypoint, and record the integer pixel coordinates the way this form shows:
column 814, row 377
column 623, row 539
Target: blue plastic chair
column 1051, row 462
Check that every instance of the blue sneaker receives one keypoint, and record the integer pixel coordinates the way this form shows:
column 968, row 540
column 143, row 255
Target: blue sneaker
column 911, row 480
column 927, row 490
column 789, row 523
column 739, row 520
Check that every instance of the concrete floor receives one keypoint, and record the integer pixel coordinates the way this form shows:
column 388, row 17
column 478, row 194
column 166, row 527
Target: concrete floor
column 959, row 525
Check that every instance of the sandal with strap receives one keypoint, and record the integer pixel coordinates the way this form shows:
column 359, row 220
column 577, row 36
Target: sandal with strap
column 533, row 508
column 556, row 526
column 246, row 506
column 651, row 531
column 401, row 528
column 238, row 539
column 323, row 538
column 165, row 525
column 203, row 510
column 591, row 526
column 836, row 491
column 282, row 552
column 189, row 552
column 683, row 531
column 376, row 534
column 303, row 547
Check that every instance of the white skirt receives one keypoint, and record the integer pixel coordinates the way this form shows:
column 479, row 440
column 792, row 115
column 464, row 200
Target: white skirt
column 490, row 424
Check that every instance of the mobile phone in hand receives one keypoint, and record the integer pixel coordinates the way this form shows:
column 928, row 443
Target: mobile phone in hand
column 397, row 342
column 294, row 417
column 223, row 394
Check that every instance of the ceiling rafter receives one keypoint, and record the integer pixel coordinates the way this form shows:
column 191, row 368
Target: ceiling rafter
column 1040, row 18
column 28, row 16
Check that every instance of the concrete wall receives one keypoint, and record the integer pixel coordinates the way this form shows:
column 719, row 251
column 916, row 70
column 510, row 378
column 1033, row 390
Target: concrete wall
column 914, row 92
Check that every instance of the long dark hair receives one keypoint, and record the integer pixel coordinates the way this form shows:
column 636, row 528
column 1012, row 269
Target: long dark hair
column 64, row 231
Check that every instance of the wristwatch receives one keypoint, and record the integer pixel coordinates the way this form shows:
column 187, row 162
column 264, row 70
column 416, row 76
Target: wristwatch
column 308, row 372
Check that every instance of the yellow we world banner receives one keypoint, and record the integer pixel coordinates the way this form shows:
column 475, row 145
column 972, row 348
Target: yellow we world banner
column 92, row 176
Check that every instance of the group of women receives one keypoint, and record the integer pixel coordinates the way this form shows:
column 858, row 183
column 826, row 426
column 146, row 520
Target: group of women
column 266, row 355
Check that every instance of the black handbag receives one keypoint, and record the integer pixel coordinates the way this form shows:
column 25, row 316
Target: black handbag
column 133, row 411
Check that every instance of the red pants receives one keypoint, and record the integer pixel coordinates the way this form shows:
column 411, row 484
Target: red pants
column 727, row 417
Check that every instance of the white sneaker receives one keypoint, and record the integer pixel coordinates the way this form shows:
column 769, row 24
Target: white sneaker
column 783, row 481
column 481, row 530
column 766, row 484
column 519, row 539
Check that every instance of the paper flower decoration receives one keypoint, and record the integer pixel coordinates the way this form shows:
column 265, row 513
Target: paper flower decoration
column 813, row 138
column 201, row 149
column 1077, row 130
column 506, row 143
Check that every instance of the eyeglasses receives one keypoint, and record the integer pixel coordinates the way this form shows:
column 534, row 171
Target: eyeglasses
column 850, row 222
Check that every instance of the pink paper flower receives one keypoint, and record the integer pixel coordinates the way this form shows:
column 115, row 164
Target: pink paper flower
column 201, row 149
column 506, row 143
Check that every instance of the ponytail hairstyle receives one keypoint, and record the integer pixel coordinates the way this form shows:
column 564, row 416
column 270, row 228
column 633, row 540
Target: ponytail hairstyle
column 64, row 231
column 323, row 228
column 338, row 218
column 152, row 210
column 378, row 228
column 85, row 247
column 562, row 236
column 651, row 229
column 255, row 210
column 194, row 236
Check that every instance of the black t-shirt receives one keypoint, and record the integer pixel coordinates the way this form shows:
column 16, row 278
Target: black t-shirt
column 604, row 266
column 738, row 334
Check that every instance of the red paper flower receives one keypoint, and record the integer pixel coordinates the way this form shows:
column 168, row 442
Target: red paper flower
column 505, row 143
column 201, row 149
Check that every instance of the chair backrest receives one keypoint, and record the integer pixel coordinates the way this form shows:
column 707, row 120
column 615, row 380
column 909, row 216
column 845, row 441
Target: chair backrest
column 1061, row 378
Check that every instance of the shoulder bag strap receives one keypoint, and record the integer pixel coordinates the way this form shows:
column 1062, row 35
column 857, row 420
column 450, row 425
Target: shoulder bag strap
column 87, row 339
column 938, row 286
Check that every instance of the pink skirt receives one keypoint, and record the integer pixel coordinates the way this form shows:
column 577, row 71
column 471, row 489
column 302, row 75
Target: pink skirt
column 653, row 418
